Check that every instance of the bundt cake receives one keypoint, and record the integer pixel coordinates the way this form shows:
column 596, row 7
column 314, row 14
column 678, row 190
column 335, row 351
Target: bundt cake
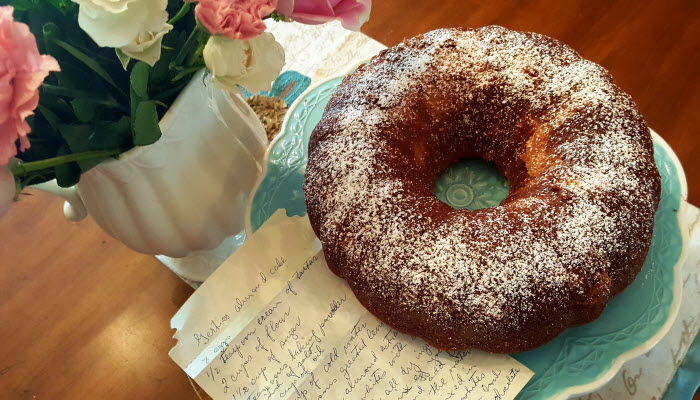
column 573, row 232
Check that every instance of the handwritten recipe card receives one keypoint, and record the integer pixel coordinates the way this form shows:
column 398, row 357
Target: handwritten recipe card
column 273, row 322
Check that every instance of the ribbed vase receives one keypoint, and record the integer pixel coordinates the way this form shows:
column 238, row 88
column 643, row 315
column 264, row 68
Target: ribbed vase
column 188, row 191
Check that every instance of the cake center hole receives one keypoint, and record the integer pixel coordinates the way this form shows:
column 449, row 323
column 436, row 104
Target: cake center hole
column 472, row 184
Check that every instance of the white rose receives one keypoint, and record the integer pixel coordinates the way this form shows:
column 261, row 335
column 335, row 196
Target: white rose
column 112, row 6
column 146, row 47
column 134, row 26
column 252, row 63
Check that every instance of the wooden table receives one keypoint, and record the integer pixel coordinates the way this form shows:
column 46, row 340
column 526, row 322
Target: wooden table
column 82, row 316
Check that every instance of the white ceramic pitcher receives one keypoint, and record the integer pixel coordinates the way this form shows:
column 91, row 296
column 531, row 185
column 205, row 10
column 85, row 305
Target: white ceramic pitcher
column 188, row 191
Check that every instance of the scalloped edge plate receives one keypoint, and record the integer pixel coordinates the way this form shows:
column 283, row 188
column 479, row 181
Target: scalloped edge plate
column 617, row 364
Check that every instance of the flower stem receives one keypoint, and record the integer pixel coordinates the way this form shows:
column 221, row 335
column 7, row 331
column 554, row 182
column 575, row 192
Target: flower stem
column 22, row 169
column 183, row 11
column 187, row 71
column 199, row 34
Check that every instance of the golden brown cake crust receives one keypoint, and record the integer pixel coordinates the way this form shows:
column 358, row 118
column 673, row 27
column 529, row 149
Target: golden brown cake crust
column 573, row 232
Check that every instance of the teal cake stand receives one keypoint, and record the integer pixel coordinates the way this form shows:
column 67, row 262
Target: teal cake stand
column 581, row 359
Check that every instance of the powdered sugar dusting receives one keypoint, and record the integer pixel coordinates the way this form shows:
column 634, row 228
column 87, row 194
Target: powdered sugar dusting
column 580, row 212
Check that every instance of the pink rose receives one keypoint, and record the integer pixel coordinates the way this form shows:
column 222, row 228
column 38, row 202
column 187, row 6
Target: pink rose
column 235, row 19
column 7, row 189
column 351, row 13
column 22, row 70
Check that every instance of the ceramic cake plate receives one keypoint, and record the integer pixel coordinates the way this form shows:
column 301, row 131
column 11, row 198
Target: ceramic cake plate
column 581, row 359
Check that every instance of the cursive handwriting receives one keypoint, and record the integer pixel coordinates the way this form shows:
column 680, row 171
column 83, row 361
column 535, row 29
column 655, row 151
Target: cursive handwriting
column 214, row 327
column 335, row 305
column 690, row 327
column 296, row 348
column 280, row 262
column 241, row 302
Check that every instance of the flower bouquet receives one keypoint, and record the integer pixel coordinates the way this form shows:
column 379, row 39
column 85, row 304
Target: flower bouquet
column 84, row 81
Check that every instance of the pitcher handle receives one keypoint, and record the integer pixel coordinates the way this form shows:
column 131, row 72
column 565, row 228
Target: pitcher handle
column 74, row 208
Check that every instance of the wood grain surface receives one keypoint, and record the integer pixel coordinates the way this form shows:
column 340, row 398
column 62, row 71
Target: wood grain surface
column 82, row 316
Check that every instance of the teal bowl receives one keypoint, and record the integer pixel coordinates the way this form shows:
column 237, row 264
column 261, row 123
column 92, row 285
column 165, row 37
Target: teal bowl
column 579, row 360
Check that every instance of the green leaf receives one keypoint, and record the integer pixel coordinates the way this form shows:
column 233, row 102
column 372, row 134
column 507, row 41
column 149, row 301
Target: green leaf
column 45, row 138
column 139, row 79
column 146, row 129
column 63, row 108
column 138, row 91
column 74, row 76
column 84, row 109
column 102, row 99
column 186, row 72
column 67, row 175
column 198, row 37
column 92, row 64
column 51, row 32
column 76, row 135
column 123, row 58
column 161, row 70
column 49, row 115
column 24, row 5
column 278, row 17
column 61, row 5
column 104, row 135
column 112, row 134
column 135, row 100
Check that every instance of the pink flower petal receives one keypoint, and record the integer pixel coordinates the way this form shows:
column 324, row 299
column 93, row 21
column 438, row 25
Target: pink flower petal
column 22, row 70
column 7, row 142
column 351, row 13
column 236, row 19
column 318, row 8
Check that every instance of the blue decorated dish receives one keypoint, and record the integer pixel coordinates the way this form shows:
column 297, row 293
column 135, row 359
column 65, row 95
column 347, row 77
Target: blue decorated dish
column 581, row 359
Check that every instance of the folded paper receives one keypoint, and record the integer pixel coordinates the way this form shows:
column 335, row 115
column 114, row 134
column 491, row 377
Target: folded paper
column 275, row 322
